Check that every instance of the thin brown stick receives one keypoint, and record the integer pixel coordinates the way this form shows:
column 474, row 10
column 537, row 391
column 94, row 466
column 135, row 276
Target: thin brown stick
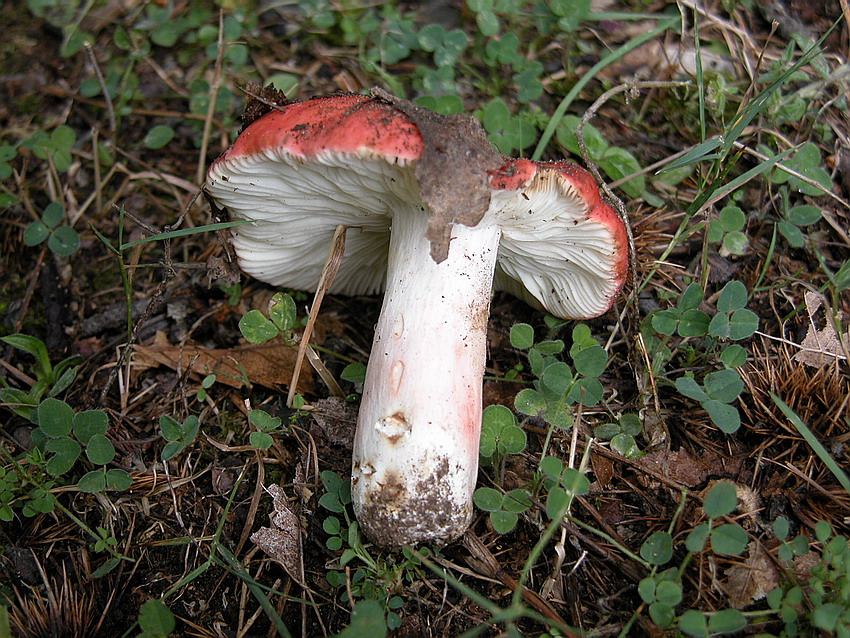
column 481, row 559
column 25, row 303
column 329, row 271
column 216, row 83
column 110, row 110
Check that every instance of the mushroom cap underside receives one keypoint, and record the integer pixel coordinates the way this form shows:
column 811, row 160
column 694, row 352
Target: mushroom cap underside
column 563, row 247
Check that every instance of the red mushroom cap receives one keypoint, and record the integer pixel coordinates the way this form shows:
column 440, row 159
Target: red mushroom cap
column 347, row 123
column 297, row 171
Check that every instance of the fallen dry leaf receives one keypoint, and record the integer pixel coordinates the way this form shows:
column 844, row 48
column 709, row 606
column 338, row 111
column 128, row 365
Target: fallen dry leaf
column 267, row 364
column 282, row 542
column 603, row 469
column 334, row 422
column 752, row 580
column 678, row 466
column 821, row 347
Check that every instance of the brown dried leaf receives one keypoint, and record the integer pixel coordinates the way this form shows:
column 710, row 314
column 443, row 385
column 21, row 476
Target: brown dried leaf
column 822, row 347
column 334, row 421
column 603, row 469
column 678, row 466
column 752, row 580
column 282, row 542
column 267, row 364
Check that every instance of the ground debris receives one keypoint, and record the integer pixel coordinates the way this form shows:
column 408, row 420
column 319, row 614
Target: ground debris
column 753, row 579
column 282, row 541
column 267, row 364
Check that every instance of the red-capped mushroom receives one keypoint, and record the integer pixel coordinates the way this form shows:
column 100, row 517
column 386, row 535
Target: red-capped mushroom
column 435, row 217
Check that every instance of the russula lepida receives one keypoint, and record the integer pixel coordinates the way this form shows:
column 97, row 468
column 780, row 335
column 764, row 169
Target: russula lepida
column 435, row 218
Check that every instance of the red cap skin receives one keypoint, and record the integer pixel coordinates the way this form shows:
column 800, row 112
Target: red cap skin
column 345, row 123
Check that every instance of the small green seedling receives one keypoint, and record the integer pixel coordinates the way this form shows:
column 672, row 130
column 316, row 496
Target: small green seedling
column 233, row 292
column 7, row 154
column 378, row 578
column 64, row 435
column 570, row 13
column 728, row 539
column 257, row 328
column 266, row 425
column 807, row 162
column 822, row 603
column 726, row 230
column 446, row 46
column 105, row 540
column 505, row 131
column 448, row 104
column 61, row 238
column 662, row 590
column 354, row 372
column 10, row 485
column 367, row 619
column 561, row 485
column 485, row 16
column 621, row 435
column 179, row 435
column 159, row 136
column 558, row 386
column 733, row 321
column 716, row 394
column 55, row 146
column 500, row 434
column 206, row 383
column 794, row 218
column 155, row 619
column 51, row 380
column 504, row 508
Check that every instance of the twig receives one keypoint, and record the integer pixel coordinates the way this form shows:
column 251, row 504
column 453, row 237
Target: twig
column 329, row 272
column 793, row 173
column 19, row 322
column 800, row 347
column 110, row 111
column 216, row 82
column 98, row 177
column 168, row 274
column 482, row 559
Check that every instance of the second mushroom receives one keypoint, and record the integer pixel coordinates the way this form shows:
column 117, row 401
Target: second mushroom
column 435, row 218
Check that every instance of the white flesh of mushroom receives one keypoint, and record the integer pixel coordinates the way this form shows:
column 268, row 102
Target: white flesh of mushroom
column 416, row 447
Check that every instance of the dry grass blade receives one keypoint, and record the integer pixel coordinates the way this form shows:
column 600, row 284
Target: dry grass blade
column 329, row 271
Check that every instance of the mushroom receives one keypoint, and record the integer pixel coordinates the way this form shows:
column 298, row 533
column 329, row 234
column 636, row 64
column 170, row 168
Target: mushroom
column 435, row 218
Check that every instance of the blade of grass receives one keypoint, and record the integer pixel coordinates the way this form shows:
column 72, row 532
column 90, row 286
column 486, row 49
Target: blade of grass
column 700, row 78
column 700, row 152
column 813, row 442
column 754, row 107
column 590, row 75
column 711, row 195
column 265, row 603
column 186, row 231
column 513, row 612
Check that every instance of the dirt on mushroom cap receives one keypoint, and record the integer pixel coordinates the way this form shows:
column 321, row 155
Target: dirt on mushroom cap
column 456, row 146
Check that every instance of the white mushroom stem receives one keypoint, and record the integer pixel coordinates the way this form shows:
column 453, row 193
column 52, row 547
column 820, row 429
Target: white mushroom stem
column 416, row 449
